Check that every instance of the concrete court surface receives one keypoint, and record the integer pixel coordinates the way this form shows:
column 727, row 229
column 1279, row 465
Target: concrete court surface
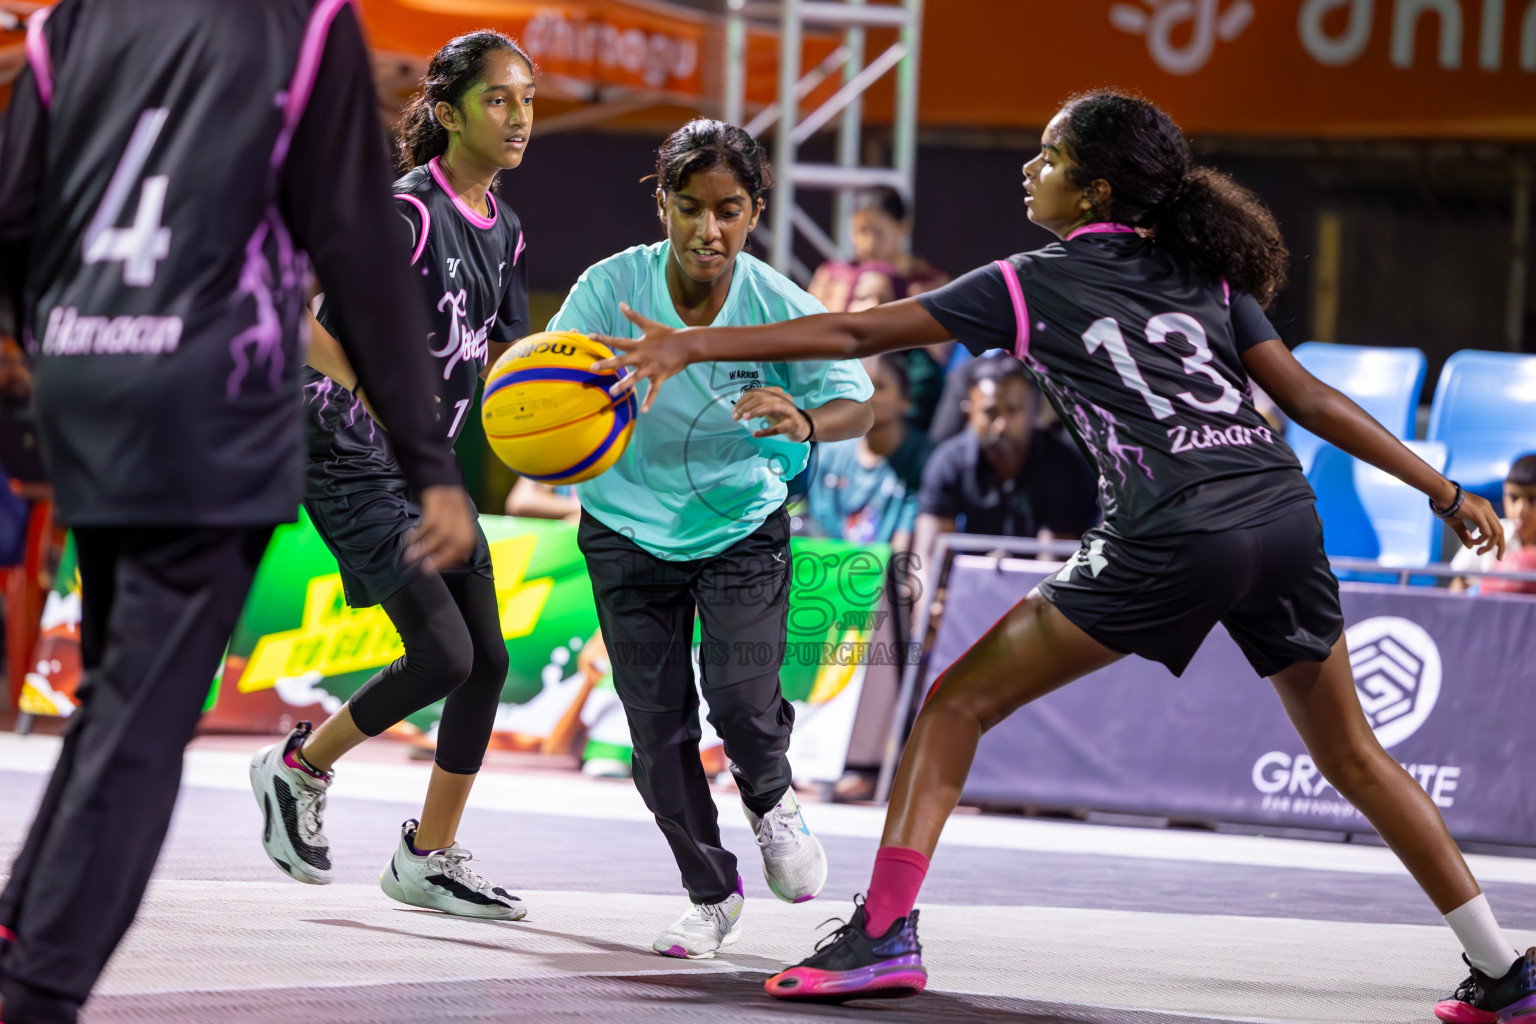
column 1024, row 921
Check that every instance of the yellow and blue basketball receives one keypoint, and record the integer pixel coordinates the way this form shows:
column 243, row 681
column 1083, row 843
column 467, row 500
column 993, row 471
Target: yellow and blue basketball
column 548, row 416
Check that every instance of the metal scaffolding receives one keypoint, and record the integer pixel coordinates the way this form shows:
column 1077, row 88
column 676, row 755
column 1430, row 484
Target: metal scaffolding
column 848, row 175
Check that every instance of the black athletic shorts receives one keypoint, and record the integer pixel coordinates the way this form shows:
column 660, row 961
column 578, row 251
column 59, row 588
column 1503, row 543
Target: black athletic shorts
column 1270, row 585
column 365, row 529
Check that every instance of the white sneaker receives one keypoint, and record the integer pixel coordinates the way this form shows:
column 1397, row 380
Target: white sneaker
column 292, row 806
column 703, row 929
column 440, row 880
column 794, row 864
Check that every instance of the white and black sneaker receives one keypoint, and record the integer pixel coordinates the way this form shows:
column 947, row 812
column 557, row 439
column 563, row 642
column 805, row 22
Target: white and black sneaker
column 441, row 880
column 292, row 802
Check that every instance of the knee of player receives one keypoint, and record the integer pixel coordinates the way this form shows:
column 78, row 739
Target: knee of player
column 445, row 654
column 1352, row 761
column 491, row 662
column 950, row 698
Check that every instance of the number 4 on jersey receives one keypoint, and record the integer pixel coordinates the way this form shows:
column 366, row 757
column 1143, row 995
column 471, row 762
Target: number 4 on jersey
column 146, row 242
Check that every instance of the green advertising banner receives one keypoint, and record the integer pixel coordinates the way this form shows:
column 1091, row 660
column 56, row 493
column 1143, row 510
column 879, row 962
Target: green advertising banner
column 299, row 651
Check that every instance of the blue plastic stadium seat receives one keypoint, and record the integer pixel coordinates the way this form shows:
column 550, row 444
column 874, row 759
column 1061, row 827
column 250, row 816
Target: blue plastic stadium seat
column 1407, row 533
column 1385, row 382
column 1347, row 529
column 1485, row 413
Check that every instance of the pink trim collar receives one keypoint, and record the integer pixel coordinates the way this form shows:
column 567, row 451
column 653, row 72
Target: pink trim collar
column 1102, row 227
column 464, row 208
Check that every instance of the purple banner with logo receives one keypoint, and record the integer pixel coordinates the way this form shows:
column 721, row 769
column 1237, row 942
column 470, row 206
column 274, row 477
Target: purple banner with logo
column 1447, row 680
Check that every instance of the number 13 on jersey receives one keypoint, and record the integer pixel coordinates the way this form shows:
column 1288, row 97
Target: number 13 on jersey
column 1105, row 333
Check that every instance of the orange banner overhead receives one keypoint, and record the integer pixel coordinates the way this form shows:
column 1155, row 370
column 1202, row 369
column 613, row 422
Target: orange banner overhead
column 598, row 42
column 1319, row 68
column 1461, row 69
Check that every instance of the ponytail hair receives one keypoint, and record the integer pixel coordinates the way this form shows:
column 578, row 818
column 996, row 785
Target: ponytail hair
column 1209, row 223
column 453, row 69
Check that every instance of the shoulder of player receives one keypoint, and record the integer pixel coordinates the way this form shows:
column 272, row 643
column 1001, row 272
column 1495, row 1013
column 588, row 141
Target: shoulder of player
column 764, row 285
column 624, row 274
column 414, row 202
column 416, row 182
column 628, row 266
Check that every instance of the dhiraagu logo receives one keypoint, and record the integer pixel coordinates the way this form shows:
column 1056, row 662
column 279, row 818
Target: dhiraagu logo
column 334, row 639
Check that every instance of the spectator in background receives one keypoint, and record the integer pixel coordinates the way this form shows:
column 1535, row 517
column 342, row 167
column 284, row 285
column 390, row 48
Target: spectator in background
column 20, row 456
column 865, row 489
column 533, row 500
column 884, row 270
column 1004, row 476
column 1519, row 524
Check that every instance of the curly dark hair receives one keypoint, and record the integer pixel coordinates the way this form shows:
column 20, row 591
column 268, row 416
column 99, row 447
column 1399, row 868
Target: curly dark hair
column 453, row 69
column 1207, row 221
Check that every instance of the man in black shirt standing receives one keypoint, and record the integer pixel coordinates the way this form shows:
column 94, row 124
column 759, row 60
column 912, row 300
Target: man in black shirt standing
column 1002, row 476
column 165, row 166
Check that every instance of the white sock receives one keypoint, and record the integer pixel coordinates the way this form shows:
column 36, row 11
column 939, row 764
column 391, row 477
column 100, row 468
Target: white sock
column 1482, row 938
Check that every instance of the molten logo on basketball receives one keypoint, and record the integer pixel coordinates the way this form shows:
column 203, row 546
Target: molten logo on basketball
column 1397, row 675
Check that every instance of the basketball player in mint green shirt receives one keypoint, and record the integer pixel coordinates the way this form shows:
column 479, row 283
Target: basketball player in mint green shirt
column 690, row 520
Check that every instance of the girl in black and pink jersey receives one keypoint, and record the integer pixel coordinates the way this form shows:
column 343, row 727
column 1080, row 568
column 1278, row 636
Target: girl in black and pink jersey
column 470, row 121
column 1144, row 326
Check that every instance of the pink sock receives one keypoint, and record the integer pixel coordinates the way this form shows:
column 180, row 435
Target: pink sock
column 899, row 874
column 295, row 760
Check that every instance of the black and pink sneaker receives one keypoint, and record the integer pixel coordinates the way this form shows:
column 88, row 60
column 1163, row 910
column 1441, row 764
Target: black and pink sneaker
column 851, row 964
column 1484, row 1000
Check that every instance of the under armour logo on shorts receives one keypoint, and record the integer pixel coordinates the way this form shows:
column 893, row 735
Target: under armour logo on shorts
column 1092, row 558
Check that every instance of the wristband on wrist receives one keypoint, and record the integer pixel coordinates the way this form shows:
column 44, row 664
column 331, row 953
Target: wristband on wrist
column 810, row 423
column 1449, row 513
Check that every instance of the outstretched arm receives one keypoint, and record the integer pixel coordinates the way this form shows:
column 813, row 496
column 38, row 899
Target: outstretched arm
column 1332, row 416
column 662, row 352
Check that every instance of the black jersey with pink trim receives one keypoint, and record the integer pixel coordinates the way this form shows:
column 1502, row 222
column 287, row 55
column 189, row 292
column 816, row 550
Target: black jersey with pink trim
column 150, row 234
column 1141, row 361
column 473, row 277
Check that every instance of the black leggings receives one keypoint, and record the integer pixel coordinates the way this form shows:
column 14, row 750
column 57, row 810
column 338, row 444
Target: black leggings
column 453, row 648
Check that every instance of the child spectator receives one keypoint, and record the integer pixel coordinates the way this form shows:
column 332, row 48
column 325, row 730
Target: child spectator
column 884, row 270
column 1519, row 523
column 865, row 489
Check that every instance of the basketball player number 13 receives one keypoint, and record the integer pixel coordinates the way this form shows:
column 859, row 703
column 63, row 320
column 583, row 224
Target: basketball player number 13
column 1105, row 333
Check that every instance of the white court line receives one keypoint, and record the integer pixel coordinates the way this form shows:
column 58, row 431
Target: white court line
column 579, row 797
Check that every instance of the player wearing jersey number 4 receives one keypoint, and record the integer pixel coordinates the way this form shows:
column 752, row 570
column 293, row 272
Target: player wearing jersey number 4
column 471, row 119
column 165, row 166
column 1144, row 326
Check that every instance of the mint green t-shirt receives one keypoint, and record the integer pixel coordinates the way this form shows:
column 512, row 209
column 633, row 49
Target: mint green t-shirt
column 693, row 481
